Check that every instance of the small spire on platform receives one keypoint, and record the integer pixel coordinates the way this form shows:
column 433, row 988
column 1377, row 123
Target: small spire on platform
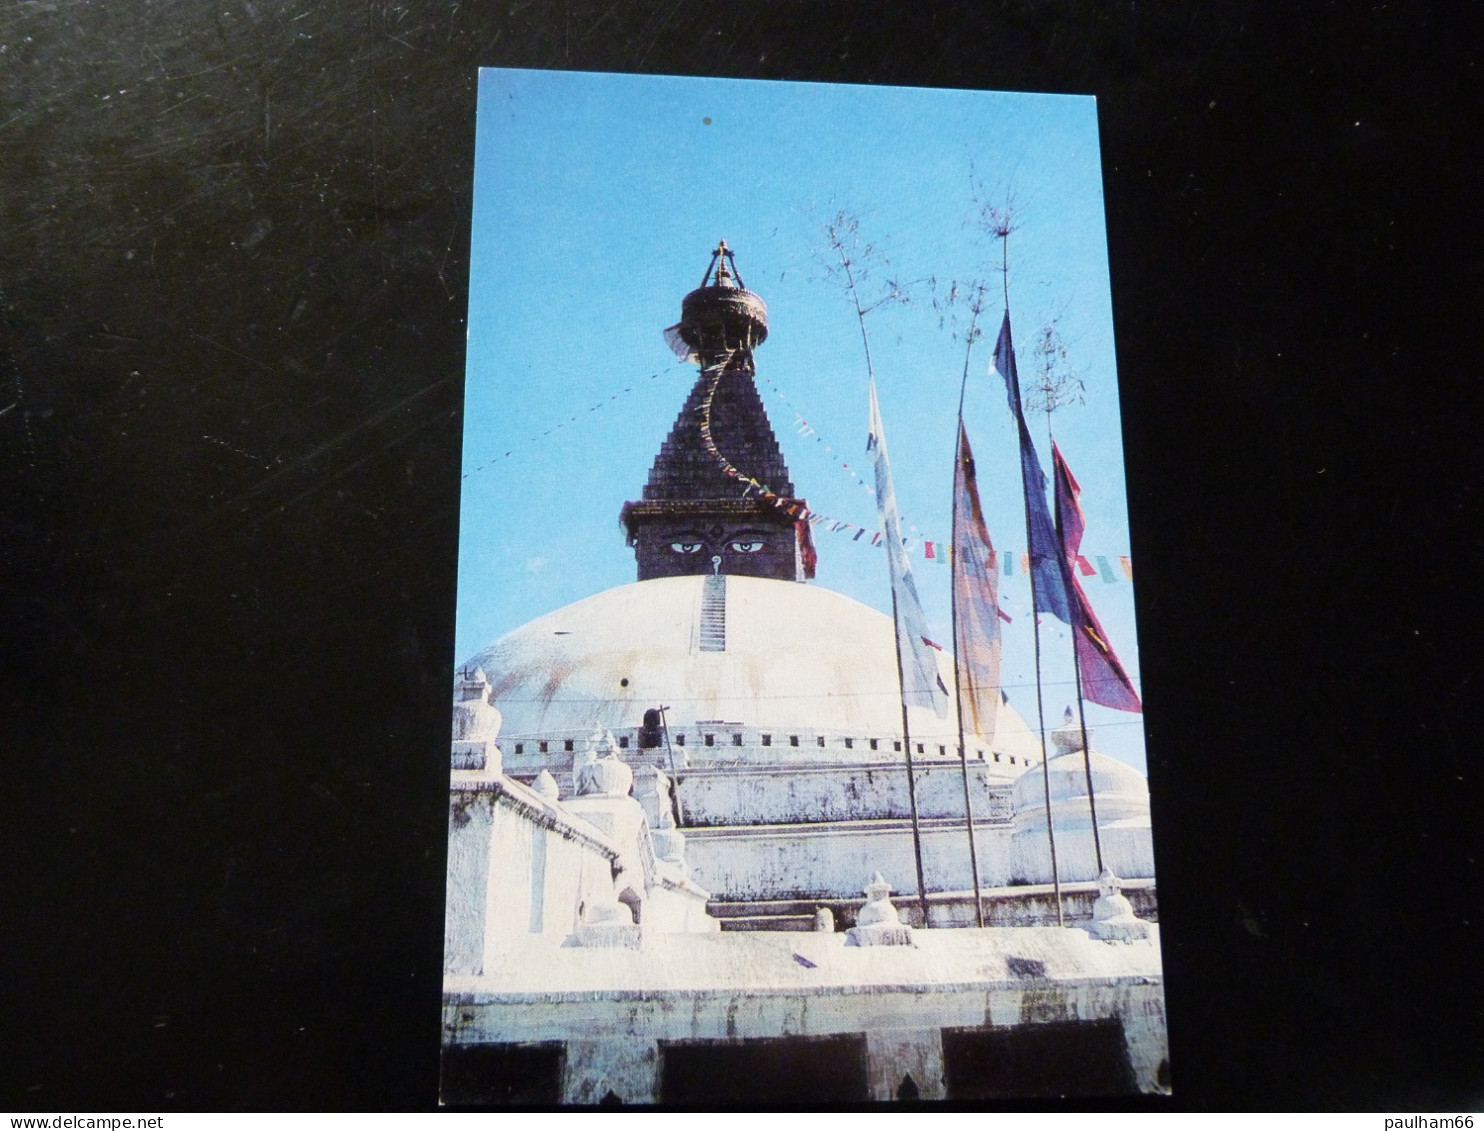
column 1113, row 918
column 877, row 923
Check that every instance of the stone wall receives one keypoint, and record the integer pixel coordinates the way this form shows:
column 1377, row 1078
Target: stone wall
column 721, row 744
column 516, row 865
column 835, row 861
column 1034, row 905
column 1128, row 850
column 712, row 796
column 740, row 987
column 521, row 864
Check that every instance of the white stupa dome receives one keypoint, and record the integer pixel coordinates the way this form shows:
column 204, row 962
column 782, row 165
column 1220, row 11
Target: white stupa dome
column 1122, row 797
column 1121, row 791
column 781, row 655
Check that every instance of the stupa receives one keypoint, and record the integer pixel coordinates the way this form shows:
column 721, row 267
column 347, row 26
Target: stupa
column 667, row 798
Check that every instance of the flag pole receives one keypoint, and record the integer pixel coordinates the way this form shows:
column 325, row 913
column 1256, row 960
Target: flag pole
column 954, row 560
column 1035, row 620
column 911, row 769
column 674, row 777
column 1092, row 803
column 896, row 627
column 1045, row 769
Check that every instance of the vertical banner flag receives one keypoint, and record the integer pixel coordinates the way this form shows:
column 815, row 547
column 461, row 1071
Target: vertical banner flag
column 1047, row 566
column 1103, row 679
column 975, row 599
column 921, row 685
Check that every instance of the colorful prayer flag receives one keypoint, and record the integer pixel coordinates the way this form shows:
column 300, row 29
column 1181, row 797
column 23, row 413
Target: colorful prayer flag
column 1047, row 565
column 977, row 641
column 920, row 683
column 1103, row 677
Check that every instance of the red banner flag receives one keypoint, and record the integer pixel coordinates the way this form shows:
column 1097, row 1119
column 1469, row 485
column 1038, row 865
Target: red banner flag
column 1103, row 677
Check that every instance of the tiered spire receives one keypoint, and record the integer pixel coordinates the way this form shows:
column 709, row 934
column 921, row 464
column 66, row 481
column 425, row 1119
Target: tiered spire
column 698, row 513
column 686, row 469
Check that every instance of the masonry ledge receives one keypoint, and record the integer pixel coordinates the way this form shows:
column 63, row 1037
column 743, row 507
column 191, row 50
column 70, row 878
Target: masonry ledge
column 533, row 807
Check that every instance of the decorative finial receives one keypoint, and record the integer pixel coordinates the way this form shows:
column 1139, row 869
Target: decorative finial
column 473, row 683
column 476, row 725
column 1067, row 738
column 599, row 771
column 877, row 923
column 546, row 786
column 1113, row 918
column 723, row 275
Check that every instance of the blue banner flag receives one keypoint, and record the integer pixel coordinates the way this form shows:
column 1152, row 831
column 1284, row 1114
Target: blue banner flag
column 1047, row 565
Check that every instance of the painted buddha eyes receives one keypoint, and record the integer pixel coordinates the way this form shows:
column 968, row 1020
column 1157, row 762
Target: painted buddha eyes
column 736, row 545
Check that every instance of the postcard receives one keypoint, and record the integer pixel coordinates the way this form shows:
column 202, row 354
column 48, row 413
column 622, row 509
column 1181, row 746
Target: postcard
column 797, row 749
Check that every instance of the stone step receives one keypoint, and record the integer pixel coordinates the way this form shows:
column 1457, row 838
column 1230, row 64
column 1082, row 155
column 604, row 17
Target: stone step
column 713, row 631
column 774, row 908
column 780, row 914
column 1021, row 905
column 799, row 923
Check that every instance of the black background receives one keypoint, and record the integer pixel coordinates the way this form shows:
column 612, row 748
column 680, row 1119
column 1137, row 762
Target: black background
column 233, row 276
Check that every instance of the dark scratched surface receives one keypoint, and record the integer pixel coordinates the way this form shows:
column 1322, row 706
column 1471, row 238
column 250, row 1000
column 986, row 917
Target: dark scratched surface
column 233, row 258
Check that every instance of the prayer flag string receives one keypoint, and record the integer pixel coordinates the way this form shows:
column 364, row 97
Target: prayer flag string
column 537, row 438
column 933, row 549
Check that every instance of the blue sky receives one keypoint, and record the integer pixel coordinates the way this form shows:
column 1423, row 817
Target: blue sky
column 597, row 201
